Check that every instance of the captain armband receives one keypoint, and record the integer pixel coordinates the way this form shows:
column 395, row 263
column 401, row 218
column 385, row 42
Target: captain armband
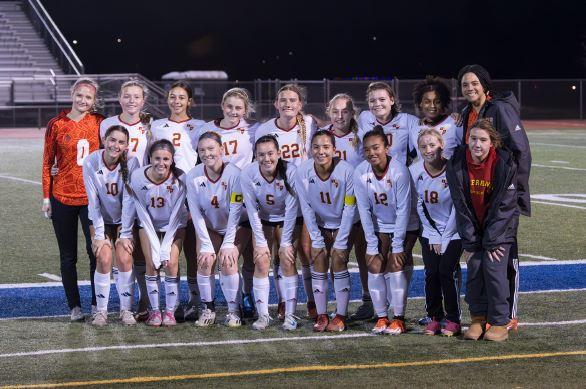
column 349, row 200
column 236, row 197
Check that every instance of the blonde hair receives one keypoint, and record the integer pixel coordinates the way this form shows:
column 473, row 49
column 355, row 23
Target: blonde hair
column 90, row 82
column 302, row 94
column 432, row 132
column 240, row 93
column 379, row 85
column 353, row 122
column 137, row 83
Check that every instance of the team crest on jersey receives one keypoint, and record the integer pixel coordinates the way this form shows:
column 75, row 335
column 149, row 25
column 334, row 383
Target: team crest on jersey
column 241, row 130
column 280, row 185
column 335, row 182
column 224, row 185
column 389, row 182
column 141, row 129
column 170, row 188
column 396, row 126
column 445, row 182
column 66, row 138
column 190, row 126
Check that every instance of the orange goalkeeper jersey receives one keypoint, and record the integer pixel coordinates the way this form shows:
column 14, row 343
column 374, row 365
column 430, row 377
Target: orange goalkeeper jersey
column 70, row 142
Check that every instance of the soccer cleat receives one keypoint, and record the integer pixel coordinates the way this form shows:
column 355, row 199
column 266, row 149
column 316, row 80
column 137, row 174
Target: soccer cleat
column 290, row 322
column 141, row 316
column 179, row 313
column 476, row 329
column 513, row 324
column 94, row 310
column 424, row 321
column 321, row 322
column 381, row 325
column 100, row 319
column 450, row 328
column 206, row 318
column 191, row 313
column 397, row 327
column 281, row 311
column 169, row 319
column 154, row 319
column 247, row 306
column 311, row 310
column 337, row 324
column 497, row 334
column 127, row 318
column 432, row 328
column 261, row 323
column 232, row 320
column 76, row 314
column 364, row 312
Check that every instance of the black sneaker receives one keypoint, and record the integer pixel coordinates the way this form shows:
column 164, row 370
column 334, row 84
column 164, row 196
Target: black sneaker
column 364, row 312
column 248, row 308
column 191, row 313
column 179, row 314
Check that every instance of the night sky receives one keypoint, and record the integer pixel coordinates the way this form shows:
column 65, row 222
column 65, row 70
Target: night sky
column 323, row 39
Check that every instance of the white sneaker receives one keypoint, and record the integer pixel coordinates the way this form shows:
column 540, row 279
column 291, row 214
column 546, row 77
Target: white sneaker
column 76, row 314
column 127, row 318
column 232, row 320
column 290, row 323
column 207, row 318
column 261, row 323
column 100, row 319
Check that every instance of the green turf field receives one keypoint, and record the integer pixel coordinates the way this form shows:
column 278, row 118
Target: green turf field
column 554, row 321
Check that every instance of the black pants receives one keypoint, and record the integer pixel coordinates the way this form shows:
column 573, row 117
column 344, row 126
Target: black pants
column 487, row 287
column 65, row 224
column 442, row 273
column 513, row 276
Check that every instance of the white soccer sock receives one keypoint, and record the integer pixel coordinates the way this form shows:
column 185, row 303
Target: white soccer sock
column 115, row 273
column 378, row 293
column 171, row 293
column 152, row 284
column 261, row 294
column 229, row 286
column 139, row 275
column 247, row 280
column 289, row 293
column 307, row 282
column 125, row 286
column 205, row 287
column 102, row 285
column 319, row 282
column 278, row 279
column 398, row 282
column 193, row 290
column 342, row 288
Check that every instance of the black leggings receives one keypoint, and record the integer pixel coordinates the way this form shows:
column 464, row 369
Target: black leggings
column 64, row 219
column 442, row 273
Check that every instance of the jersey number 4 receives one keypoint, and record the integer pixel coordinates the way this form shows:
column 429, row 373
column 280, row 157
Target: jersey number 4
column 215, row 203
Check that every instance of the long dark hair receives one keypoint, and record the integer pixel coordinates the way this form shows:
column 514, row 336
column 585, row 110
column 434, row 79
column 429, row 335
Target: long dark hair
column 281, row 163
column 123, row 157
column 379, row 131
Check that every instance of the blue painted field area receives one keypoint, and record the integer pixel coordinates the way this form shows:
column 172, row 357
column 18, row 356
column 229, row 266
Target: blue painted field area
column 48, row 301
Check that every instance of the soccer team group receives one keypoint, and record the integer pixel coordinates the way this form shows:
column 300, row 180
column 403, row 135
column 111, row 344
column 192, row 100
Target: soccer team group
column 294, row 187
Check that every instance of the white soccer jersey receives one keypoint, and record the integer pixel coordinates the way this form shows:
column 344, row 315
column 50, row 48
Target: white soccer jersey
column 345, row 148
column 398, row 131
column 237, row 142
column 451, row 133
column 182, row 135
column 215, row 205
column 434, row 205
column 384, row 203
column 160, row 208
column 269, row 201
column 105, row 189
column 290, row 140
column 137, row 142
column 327, row 203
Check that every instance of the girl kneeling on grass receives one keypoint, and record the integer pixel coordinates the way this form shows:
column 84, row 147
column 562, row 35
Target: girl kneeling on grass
column 159, row 198
column 105, row 174
column 440, row 243
column 482, row 177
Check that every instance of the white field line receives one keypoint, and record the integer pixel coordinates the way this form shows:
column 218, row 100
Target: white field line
column 558, row 204
column 564, row 162
column 19, row 179
column 112, row 313
column 230, row 342
column 50, row 276
column 546, row 261
column 557, row 145
column 558, row 167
